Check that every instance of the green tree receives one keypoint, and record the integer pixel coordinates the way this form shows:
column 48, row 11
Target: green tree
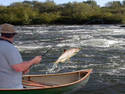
column 114, row 4
column 48, row 6
column 92, row 3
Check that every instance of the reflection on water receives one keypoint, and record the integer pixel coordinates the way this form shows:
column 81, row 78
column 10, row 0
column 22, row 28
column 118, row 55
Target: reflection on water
column 102, row 49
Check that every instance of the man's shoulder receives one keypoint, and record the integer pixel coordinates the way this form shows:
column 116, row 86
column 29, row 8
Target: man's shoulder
column 7, row 46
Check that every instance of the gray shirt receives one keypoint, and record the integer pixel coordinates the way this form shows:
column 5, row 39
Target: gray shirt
column 9, row 55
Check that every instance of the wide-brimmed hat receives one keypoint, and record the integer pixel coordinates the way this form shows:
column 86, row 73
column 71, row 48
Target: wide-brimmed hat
column 7, row 28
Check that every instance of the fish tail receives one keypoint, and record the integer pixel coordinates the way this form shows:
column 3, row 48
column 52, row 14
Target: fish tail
column 56, row 62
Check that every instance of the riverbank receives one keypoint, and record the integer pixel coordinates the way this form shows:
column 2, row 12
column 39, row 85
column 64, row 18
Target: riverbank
column 86, row 12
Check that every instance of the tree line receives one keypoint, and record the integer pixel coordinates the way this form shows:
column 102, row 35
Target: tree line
column 86, row 12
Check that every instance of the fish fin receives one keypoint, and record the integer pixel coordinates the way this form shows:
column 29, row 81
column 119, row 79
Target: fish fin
column 69, row 61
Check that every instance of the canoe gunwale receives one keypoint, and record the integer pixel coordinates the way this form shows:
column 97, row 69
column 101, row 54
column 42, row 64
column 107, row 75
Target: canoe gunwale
column 58, row 86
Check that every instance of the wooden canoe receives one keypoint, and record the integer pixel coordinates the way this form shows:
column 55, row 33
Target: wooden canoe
column 51, row 83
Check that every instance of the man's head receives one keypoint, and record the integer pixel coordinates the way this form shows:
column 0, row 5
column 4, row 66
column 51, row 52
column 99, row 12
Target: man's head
column 7, row 30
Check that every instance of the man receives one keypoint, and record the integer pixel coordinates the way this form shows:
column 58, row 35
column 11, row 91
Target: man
column 11, row 63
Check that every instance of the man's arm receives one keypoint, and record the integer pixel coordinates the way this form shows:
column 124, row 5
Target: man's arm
column 22, row 67
column 26, row 71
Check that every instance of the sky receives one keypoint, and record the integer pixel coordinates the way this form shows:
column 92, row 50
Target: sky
column 99, row 2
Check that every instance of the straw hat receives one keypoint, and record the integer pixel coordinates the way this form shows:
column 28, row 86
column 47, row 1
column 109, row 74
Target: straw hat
column 7, row 28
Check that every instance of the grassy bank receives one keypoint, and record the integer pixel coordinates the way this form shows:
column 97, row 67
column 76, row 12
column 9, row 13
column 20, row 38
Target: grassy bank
column 86, row 12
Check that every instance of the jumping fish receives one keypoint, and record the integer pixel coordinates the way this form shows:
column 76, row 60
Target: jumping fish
column 67, row 55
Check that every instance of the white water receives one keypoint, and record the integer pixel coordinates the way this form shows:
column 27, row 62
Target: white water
column 98, row 37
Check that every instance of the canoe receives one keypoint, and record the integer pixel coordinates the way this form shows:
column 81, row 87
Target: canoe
column 51, row 83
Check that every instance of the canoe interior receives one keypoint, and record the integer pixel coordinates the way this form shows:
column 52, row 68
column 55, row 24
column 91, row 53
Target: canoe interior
column 64, row 83
column 55, row 80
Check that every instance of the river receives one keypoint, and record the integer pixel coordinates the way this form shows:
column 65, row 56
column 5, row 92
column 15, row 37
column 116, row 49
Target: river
column 102, row 49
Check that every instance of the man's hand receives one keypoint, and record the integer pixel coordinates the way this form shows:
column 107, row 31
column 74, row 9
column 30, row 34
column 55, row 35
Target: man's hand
column 37, row 59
